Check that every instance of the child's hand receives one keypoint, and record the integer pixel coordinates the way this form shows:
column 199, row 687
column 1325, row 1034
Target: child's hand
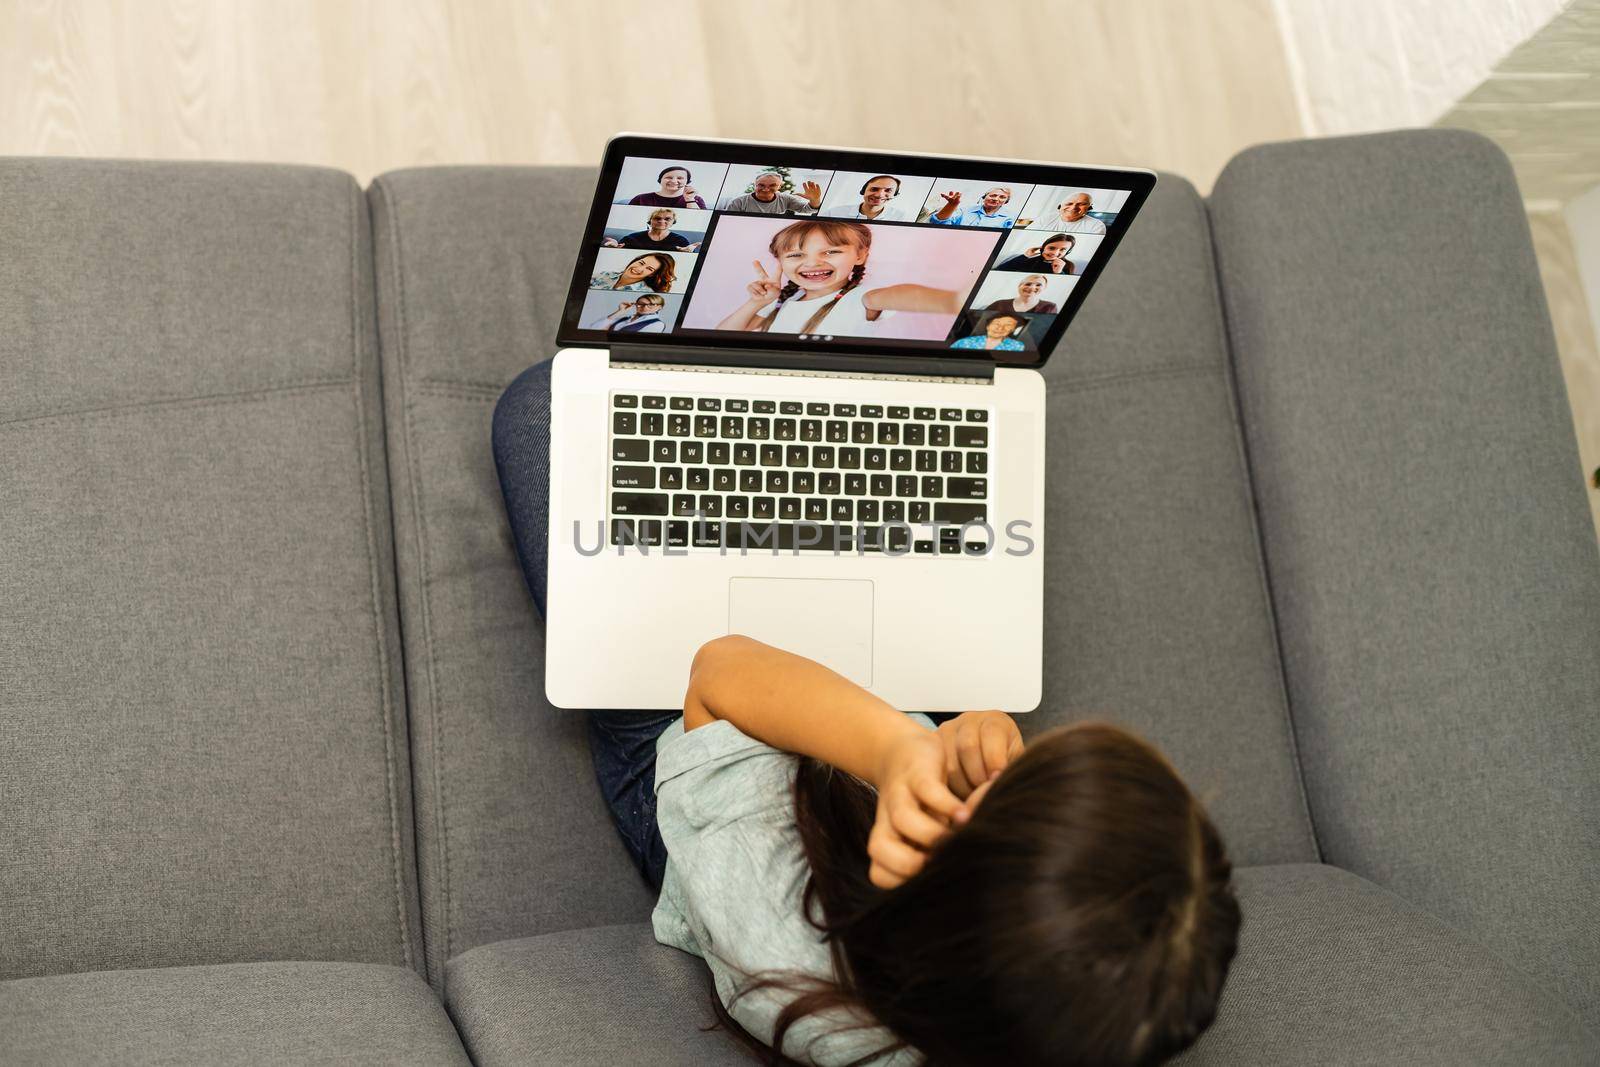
column 977, row 746
column 915, row 808
column 765, row 288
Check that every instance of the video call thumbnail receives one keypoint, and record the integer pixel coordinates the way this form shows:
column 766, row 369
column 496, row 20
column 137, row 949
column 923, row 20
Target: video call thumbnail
column 999, row 332
column 622, row 313
column 832, row 277
column 625, row 270
column 655, row 229
column 1043, row 252
column 675, row 183
column 870, row 196
column 1072, row 209
column 1033, row 294
column 988, row 205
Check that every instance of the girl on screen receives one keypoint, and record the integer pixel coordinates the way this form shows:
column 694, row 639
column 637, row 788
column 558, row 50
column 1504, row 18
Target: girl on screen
column 654, row 271
column 820, row 286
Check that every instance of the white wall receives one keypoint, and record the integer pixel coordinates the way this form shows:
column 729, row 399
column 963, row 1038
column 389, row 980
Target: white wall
column 1363, row 65
column 1583, row 222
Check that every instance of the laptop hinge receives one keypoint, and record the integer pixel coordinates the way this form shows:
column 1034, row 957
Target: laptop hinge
column 790, row 361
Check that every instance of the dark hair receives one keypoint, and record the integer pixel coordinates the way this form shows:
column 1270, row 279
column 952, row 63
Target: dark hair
column 835, row 233
column 1085, row 914
column 660, row 280
column 668, row 170
column 875, row 177
column 1072, row 242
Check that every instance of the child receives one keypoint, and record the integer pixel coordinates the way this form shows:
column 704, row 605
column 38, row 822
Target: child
column 860, row 883
column 823, row 267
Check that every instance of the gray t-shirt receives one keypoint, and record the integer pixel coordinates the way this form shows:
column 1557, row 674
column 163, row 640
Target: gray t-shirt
column 735, row 875
column 781, row 204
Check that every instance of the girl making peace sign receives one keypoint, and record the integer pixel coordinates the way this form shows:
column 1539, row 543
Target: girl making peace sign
column 819, row 286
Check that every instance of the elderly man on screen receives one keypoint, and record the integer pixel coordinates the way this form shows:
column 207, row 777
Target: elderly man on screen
column 1071, row 216
column 766, row 198
column 988, row 213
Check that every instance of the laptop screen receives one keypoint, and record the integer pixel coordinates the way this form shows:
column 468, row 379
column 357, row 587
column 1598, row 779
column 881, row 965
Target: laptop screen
column 715, row 244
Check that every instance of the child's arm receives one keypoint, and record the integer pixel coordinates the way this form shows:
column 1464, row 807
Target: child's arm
column 912, row 298
column 763, row 291
column 798, row 705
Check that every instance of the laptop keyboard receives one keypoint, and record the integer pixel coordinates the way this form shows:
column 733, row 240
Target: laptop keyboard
column 797, row 475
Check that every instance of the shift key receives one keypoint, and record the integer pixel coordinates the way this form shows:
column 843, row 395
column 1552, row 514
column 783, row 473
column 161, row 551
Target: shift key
column 638, row 503
column 956, row 514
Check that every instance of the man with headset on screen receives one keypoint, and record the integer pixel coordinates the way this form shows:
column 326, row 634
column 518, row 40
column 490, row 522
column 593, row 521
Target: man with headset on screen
column 876, row 192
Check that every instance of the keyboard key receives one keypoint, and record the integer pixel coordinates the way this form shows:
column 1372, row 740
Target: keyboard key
column 905, row 486
column 672, row 477
column 899, row 413
column 861, row 433
column 682, row 403
column 789, row 508
column 882, row 485
column 855, row 485
column 651, row 424
column 736, row 405
column 711, row 506
column 977, row 463
column 737, row 507
column 876, row 459
column 783, row 430
column 706, row 534
column 900, row 459
column 717, row 453
column 677, row 535
column 710, row 403
column 972, row 437
column 796, row 456
column 657, row 402
column 915, row 435
column 699, row 479
column 867, row 511
column 777, row 481
column 950, row 462
column 677, row 425
column 953, row 512
column 791, row 407
column 683, row 504
column 949, row 414
column 888, row 433
column 845, row 411
column 633, row 477
column 822, row 457
column 758, row 429
column 920, row 510
column 744, row 454
column 624, row 400
column 939, row 436
column 816, row 509
column 967, row 488
column 765, row 407
column 927, row 460
column 828, row 483
column 624, row 422
column 705, row 426
column 804, row 482
column 763, row 507
column 772, row 455
column 665, row 452
column 634, row 451
column 899, row 538
column 894, row 511
column 811, row 430
column 838, row 432
column 649, row 531
column 842, row 510
column 692, row 452
column 871, row 411
column 923, row 548
column 977, row 415
column 932, row 486
column 923, row 414
column 850, row 458
column 623, row 532
column 750, row 481
column 816, row 409
column 732, row 427
column 724, row 480
column 639, row 503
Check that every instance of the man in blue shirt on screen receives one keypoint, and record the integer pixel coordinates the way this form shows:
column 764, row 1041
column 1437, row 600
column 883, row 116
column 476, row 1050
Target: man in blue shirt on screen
column 988, row 212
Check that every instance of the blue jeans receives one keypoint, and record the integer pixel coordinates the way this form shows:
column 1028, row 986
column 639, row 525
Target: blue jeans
column 621, row 743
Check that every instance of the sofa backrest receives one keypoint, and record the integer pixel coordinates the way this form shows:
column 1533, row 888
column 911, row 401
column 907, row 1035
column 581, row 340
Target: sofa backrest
column 202, row 731
column 1156, row 610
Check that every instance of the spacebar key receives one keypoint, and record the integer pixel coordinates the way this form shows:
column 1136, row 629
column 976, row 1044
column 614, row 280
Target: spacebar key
column 639, row 504
column 956, row 513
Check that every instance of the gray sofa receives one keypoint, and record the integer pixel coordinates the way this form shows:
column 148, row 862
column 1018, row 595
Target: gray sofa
column 278, row 782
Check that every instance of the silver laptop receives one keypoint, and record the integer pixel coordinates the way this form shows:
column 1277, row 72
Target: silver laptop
column 798, row 397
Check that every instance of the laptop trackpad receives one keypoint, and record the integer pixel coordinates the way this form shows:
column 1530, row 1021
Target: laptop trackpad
column 825, row 619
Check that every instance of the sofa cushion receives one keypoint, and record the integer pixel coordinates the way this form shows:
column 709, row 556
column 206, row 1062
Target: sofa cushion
column 202, row 749
column 260, row 1013
column 1331, row 970
column 1432, row 559
column 1334, row 970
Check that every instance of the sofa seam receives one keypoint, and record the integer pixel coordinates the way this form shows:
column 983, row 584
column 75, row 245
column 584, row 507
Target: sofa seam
column 199, row 400
column 419, row 521
column 1112, row 380
column 1253, row 505
column 357, row 351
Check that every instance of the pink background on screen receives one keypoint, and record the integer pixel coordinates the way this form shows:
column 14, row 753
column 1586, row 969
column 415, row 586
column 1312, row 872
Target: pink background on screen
column 925, row 255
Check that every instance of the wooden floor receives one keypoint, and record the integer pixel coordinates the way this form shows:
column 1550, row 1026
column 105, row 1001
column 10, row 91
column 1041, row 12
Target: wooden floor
column 372, row 85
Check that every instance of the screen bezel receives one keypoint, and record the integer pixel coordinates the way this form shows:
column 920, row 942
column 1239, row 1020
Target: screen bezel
column 664, row 346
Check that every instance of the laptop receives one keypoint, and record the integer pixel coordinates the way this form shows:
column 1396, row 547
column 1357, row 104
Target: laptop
column 798, row 397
